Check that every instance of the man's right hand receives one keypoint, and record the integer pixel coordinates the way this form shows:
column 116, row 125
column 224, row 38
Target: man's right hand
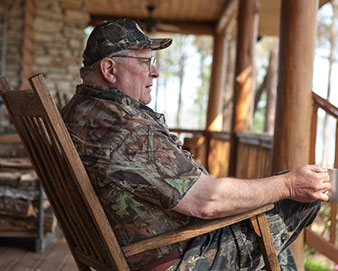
column 308, row 183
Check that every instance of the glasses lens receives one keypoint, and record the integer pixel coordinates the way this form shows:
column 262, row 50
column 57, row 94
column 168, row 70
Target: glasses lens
column 152, row 61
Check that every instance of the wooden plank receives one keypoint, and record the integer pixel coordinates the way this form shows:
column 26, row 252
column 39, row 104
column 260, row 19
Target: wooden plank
column 228, row 14
column 32, row 261
column 333, row 215
column 22, row 163
column 23, row 102
column 188, row 232
column 167, row 26
column 10, row 138
column 29, row 260
column 54, row 259
column 69, row 264
column 19, row 234
column 320, row 244
column 10, row 257
column 261, row 227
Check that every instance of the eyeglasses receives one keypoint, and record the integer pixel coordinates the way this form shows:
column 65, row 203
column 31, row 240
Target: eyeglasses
column 151, row 61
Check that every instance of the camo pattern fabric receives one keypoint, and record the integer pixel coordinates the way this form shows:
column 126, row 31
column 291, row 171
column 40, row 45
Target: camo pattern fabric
column 218, row 250
column 113, row 36
column 138, row 168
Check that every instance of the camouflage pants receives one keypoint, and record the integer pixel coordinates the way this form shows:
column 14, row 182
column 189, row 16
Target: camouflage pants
column 236, row 247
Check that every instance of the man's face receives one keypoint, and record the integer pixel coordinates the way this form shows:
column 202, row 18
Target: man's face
column 134, row 75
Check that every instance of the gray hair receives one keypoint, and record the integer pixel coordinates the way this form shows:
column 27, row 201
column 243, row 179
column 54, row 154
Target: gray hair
column 87, row 72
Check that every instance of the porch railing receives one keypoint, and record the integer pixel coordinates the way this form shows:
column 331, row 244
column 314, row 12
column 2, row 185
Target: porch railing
column 327, row 248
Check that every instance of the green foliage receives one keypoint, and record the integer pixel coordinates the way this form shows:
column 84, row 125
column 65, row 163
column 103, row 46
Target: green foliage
column 169, row 63
column 324, row 20
column 204, row 48
column 259, row 116
column 312, row 265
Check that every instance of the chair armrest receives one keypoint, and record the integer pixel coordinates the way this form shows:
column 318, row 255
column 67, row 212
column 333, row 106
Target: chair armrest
column 189, row 232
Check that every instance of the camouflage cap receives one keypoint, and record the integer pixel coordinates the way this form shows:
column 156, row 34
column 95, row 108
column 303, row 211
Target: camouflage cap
column 113, row 36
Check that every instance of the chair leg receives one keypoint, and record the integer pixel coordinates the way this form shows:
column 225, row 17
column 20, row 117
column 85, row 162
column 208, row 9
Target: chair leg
column 261, row 227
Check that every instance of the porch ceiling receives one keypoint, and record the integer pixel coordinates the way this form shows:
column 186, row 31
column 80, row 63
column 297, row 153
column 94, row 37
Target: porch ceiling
column 186, row 16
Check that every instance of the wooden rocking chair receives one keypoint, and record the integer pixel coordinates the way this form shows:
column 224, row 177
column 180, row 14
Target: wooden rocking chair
column 73, row 199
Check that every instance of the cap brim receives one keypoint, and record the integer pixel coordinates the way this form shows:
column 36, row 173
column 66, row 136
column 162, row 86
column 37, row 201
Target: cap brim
column 158, row 44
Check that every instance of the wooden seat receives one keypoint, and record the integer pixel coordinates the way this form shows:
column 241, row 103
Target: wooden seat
column 72, row 196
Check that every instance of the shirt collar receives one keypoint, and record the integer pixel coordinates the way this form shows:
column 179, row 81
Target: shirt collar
column 115, row 95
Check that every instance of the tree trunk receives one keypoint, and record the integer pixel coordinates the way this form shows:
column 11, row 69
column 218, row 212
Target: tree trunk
column 229, row 84
column 181, row 78
column 326, row 130
column 271, row 88
column 158, row 64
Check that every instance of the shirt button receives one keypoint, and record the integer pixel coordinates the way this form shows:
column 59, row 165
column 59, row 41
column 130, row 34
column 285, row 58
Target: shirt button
column 284, row 237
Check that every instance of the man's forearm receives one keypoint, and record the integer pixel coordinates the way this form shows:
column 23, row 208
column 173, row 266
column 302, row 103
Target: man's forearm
column 219, row 197
column 213, row 197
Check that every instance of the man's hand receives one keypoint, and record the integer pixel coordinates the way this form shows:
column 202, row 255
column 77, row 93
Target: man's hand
column 308, row 183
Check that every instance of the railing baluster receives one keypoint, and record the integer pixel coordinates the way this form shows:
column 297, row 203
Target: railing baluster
column 313, row 134
column 334, row 206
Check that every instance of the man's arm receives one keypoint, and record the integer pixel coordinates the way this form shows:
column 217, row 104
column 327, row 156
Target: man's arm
column 213, row 197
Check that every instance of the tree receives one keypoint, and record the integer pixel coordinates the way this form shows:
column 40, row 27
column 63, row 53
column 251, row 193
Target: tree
column 181, row 42
column 332, row 39
column 269, row 83
column 204, row 48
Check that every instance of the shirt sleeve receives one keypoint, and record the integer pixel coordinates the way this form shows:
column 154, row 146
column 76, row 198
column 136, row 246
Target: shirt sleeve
column 152, row 166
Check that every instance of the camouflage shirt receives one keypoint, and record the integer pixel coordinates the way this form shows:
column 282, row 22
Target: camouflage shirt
column 137, row 167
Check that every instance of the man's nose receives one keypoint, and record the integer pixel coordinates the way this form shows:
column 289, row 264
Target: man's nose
column 153, row 72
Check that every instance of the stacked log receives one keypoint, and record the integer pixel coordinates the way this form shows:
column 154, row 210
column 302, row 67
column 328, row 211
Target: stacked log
column 19, row 192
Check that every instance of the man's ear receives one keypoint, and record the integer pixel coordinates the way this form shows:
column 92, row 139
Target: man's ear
column 108, row 69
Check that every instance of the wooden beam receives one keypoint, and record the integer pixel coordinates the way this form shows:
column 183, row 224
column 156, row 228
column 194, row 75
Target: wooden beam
column 246, row 38
column 320, row 244
column 228, row 14
column 196, row 28
column 243, row 93
column 291, row 146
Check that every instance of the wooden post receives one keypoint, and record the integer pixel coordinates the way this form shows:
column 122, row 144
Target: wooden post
column 243, row 94
column 293, row 117
column 214, row 114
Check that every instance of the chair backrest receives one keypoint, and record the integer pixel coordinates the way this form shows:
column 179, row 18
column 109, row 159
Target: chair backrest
column 63, row 176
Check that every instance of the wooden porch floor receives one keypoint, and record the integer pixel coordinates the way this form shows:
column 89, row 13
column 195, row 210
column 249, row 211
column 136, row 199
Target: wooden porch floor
column 18, row 255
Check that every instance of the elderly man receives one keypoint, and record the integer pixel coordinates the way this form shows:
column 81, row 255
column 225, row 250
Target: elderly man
column 149, row 185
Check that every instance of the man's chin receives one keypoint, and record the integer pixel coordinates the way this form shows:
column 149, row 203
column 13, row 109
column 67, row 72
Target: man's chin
column 146, row 100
